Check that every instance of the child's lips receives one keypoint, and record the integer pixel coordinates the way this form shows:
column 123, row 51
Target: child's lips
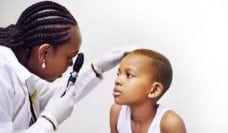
column 116, row 92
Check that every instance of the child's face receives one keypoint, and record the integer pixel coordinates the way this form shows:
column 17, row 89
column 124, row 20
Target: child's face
column 134, row 80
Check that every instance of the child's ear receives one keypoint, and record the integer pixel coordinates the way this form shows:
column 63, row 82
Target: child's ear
column 156, row 90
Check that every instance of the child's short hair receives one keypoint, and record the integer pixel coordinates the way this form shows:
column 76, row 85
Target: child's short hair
column 161, row 67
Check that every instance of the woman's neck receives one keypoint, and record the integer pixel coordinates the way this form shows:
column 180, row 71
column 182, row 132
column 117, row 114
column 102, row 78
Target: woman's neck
column 20, row 54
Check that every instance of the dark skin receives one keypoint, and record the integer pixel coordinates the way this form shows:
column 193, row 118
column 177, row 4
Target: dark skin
column 136, row 87
column 56, row 60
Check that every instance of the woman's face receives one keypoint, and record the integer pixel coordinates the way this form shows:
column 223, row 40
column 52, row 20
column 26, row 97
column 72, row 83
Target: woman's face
column 56, row 60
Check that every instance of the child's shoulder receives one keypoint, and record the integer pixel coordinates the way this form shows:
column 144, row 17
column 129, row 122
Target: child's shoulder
column 114, row 114
column 171, row 122
column 115, row 109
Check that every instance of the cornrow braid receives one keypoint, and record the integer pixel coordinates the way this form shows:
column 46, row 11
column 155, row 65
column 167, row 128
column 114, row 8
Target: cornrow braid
column 43, row 37
column 41, row 6
column 8, row 36
column 50, row 21
column 44, row 14
column 42, row 22
column 45, row 30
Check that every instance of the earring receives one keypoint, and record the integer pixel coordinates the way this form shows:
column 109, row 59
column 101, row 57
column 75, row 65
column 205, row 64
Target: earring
column 43, row 64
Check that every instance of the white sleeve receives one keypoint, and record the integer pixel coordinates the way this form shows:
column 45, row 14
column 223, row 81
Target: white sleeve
column 44, row 89
column 86, row 82
column 6, row 112
column 40, row 126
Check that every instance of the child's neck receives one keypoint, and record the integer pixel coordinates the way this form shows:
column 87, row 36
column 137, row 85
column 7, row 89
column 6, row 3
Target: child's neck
column 142, row 112
column 142, row 116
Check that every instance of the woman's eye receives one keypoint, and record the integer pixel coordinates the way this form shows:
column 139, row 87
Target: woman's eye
column 70, row 62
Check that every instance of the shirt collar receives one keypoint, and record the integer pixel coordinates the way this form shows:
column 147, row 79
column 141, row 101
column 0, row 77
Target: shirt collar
column 13, row 62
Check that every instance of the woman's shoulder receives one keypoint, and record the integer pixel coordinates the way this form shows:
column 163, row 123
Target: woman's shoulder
column 7, row 57
column 11, row 66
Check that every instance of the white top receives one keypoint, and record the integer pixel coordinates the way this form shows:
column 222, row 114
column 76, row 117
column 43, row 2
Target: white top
column 124, row 120
column 17, row 83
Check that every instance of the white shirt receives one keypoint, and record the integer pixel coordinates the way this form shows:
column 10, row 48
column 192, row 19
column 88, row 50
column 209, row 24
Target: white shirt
column 17, row 83
column 124, row 120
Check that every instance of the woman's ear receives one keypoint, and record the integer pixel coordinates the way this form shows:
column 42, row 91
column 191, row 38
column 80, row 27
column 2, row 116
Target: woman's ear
column 156, row 90
column 43, row 51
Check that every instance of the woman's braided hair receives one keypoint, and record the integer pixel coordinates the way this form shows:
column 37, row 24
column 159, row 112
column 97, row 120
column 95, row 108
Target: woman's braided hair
column 42, row 22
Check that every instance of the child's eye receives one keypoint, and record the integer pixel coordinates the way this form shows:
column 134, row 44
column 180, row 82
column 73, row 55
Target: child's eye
column 117, row 73
column 129, row 75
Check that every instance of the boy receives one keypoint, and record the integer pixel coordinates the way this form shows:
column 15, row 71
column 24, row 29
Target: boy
column 143, row 77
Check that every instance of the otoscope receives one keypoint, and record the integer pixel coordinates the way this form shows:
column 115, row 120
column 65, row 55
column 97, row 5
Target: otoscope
column 74, row 74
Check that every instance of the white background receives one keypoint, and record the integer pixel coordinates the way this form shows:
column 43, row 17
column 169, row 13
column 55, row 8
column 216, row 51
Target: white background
column 192, row 34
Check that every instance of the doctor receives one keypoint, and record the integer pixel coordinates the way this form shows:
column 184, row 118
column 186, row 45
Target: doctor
column 39, row 48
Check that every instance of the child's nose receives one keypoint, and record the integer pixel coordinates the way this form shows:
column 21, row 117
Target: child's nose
column 118, row 81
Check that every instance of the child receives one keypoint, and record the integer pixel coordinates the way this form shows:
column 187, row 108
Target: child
column 143, row 77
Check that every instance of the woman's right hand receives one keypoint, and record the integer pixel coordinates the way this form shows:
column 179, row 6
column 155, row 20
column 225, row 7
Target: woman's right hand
column 111, row 58
column 59, row 107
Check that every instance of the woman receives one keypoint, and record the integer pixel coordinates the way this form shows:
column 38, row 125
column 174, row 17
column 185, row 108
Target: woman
column 39, row 48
